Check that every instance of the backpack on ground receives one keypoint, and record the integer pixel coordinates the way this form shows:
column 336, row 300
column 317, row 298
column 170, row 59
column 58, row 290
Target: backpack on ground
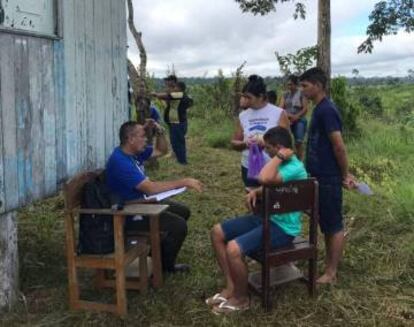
column 96, row 232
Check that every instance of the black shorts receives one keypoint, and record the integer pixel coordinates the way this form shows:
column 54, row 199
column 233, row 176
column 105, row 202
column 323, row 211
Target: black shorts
column 330, row 204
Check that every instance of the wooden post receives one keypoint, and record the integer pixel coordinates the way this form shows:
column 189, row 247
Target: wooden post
column 9, row 267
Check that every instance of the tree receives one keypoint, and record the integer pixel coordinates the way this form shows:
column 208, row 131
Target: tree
column 138, row 77
column 387, row 18
column 297, row 63
column 263, row 7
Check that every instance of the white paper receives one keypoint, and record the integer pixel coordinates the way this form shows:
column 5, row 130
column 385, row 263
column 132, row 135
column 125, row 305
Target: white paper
column 363, row 188
column 164, row 195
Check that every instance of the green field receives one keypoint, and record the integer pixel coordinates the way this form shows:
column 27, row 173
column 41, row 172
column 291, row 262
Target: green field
column 376, row 277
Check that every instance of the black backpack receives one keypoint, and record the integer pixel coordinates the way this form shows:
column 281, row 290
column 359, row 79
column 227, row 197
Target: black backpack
column 96, row 232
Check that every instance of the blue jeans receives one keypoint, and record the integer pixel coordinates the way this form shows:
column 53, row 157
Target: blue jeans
column 177, row 139
column 247, row 231
column 299, row 130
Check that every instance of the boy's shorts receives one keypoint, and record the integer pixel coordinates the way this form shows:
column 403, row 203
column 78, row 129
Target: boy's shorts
column 247, row 231
column 330, row 204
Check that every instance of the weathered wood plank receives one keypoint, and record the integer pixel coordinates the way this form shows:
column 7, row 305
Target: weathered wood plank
column 24, row 120
column 49, row 119
column 35, row 67
column 7, row 98
column 9, row 266
column 98, row 82
column 91, row 108
column 59, row 79
column 2, row 185
column 70, row 87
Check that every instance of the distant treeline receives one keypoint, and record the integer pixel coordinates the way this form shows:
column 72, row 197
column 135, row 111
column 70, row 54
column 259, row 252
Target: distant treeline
column 273, row 82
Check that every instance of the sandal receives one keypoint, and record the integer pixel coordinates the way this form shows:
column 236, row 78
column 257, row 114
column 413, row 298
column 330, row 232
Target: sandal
column 216, row 299
column 225, row 308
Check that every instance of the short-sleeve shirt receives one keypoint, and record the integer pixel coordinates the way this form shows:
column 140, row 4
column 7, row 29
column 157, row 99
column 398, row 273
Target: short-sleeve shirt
column 125, row 172
column 155, row 114
column 290, row 222
column 320, row 156
column 177, row 105
column 255, row 123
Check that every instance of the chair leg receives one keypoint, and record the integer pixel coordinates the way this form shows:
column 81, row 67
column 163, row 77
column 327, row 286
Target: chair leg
column 121, row 301
column 312, row 277
column 143, row 273
column 266, row 301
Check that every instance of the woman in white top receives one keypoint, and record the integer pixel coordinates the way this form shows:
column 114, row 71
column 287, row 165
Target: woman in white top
column 254, row 121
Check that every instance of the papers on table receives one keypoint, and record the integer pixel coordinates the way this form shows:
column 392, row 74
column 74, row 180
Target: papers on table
column 164, row 195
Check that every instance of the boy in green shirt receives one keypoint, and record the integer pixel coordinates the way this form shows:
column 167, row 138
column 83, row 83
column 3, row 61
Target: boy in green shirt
column 240, row 236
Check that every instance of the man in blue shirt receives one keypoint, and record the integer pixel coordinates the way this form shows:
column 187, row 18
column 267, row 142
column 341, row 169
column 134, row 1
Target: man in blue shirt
column 126, row 177
column 326, row 159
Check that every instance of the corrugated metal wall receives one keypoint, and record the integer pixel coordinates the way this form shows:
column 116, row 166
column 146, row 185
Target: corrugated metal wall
column 61, row 102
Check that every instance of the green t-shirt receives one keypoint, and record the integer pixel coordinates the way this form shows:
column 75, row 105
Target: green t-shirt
column 291, row 222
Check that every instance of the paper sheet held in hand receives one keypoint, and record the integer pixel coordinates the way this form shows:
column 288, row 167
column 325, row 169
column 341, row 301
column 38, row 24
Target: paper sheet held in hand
column 164, row 195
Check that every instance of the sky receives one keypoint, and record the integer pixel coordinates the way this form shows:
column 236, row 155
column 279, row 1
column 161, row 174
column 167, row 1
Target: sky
column 199, row 37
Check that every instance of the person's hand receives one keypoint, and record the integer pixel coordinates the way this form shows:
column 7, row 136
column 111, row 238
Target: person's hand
column 149, row 123
column 193, row 183
column 251, row 199
column 285, row 153
column 349, row 182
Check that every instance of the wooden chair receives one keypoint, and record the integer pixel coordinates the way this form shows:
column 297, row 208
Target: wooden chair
column 288, row 197
column 117, row 261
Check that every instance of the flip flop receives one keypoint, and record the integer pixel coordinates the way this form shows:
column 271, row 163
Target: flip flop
column 215, row 299
column 226, row 308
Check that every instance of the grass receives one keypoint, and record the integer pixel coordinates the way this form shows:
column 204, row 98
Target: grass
column 376, row 276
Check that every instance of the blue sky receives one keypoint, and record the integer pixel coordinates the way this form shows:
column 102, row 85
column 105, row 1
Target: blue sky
column 200, row 37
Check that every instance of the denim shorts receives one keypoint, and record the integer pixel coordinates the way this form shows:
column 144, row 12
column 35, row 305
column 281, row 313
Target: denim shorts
column 299, row 130
column 247, row 231
column 330, row 204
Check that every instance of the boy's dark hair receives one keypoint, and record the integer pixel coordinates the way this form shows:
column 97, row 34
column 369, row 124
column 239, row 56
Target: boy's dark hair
column 314, row 75
column 294, row 79
column 278, row 136
column 255, row 86
column 171, row 78
column 272, row 96
column 181, row 86
column 126, row 130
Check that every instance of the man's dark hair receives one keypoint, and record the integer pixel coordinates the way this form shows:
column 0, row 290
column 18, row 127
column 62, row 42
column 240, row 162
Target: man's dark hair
column 278, row 136
column 181, row 86
column 171, row 78
column 255, row 85
column 272, row 96
column 294, row 79
column 314, row 75
column 126, row 130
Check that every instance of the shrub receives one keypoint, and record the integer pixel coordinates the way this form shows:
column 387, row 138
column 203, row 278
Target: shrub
column 350, row 111
column 372, row 104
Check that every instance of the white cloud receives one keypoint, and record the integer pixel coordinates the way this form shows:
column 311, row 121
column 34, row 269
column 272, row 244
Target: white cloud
column 199, row 36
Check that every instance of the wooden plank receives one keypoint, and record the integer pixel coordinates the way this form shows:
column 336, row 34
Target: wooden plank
column 24, row 120
column 9, row 267
column 70, row 87
column 80, row 83
column 99, row 77
column 60, row 113
column 2, row 185
column 49, row 119
column 135, row 209
column 156, row 251
column 107, row 82
column 91, row 108
column 7, row 98
column 35, row 67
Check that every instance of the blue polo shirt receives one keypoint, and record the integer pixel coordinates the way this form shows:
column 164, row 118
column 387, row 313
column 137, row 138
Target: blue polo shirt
column 320, row 157
column 125, row 172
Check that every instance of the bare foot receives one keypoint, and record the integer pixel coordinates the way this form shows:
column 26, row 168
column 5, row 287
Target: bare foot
column 326, row 279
